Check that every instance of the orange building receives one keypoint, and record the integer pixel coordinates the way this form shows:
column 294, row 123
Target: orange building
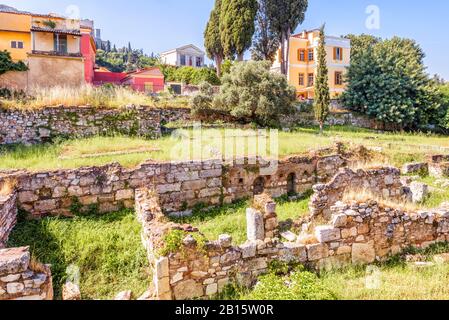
column 57, row 50
column 302, row 66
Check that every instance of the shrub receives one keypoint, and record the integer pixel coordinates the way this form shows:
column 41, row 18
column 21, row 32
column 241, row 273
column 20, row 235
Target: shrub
column 251, row 93
column 7, row 64
column 208, row 75
column 201, row 103
column 388, row 81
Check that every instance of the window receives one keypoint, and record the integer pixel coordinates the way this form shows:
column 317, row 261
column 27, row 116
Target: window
column 183, row 60
column 311, row 55
column 301, row 55
column 310, row 80
column 338, row 78
column 338, row 53
column 60, row 43
column 199, row 62
column 301, row 79
column 17, row 44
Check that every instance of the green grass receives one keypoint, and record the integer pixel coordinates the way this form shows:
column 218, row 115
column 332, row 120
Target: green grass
column 231, row 219
column 398, row 148
column 107, row 250
column 438, row 194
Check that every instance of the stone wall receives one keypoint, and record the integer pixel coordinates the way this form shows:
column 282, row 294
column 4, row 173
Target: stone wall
column 383, row 183
column 8, row 217
column 355, row 233
column 438, row 165
column 36, row 126
column 23, row 279
column 180, row 185
column 339, row 119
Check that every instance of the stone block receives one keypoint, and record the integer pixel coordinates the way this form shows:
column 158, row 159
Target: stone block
column 124, row 295
column 14, row 288
column 71, row 291
column 339, row 220
column 326, row 234
column 317, row 251
column 188, row 289
column 212, row 289
column 14, row 260
column 162, row 267
column 419, row 191
column 363, row 253
column 255, row 225
column 225, row 240
column 248, row 249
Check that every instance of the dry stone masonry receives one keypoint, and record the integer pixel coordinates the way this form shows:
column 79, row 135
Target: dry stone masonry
column 180, row 185
column 36, row 126
column 8, row 216
column 22, row 279
column 355, row 233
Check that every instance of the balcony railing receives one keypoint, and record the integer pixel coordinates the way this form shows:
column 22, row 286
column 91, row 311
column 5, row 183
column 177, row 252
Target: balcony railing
column 57, row 53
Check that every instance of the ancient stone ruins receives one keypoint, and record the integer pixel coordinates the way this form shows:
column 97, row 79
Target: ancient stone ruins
column 338, row 231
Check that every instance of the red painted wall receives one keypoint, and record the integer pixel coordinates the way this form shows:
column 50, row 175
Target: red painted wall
column 101, row 77
column 88, row 52
column 139, row 83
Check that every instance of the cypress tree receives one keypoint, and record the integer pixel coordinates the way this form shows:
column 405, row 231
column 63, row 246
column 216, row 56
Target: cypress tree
column 237, row 26
column 322, row 96
column 212, row 40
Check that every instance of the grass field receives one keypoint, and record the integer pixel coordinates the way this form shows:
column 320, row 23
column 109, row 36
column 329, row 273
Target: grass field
column 397, row 148
column 107, row 250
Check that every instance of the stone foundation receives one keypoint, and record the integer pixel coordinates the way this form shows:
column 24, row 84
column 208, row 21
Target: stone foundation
column 180, row 185
column 23, row 279
column 383, row 182
column 439, row 166
column 8, row 217
column 355, row 233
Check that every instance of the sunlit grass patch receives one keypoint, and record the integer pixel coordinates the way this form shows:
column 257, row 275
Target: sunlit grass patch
column 107, row 250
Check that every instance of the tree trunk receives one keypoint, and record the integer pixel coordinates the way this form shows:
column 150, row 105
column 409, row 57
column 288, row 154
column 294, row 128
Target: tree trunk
column 283, row 71
column 218, row 62
column 240, row 57
column 287, row 51
column 321, row 128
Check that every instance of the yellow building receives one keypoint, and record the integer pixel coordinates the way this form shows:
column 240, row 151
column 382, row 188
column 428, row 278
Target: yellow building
column 49, row 44
column 302, row 66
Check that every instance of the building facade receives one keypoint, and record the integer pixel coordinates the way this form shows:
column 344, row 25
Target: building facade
column 188, row 55
column 57, row 50
column 302, row 66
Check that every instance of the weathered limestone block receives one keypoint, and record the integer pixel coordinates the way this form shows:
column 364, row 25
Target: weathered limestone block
column 363, row 253
column 124, row 295
column 71, row 291
column 326, row 234
column 293, row 252
column 255, row 225
column 14, row 260
column 317, row 251
column 419, row 191
column 248, row 249
column 188, row 289
column 415, row 168
column 225, row 240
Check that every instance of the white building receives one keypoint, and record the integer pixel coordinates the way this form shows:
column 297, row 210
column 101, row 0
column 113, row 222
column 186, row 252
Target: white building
column 188, row 55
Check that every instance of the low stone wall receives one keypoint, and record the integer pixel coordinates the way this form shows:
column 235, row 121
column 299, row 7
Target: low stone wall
column 180, row 185
column 23, row 279
column 339, row 119
column 383, row 182
column 8, row 217
column 38, row 126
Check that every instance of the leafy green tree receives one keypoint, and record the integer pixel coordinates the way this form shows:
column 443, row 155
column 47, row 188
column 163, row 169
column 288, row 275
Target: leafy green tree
column 285, row 16
column 7, row 64
column 201, row 103
column 251, row 93
column 265, row 41
column 322, row 96
column 361, row 43
column 212, row 39
column 237, row 26
column 226, row 67
column 388, row 81
column 208, row 75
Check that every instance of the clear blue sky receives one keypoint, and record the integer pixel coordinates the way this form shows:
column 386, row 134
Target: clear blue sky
column 159, row 25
